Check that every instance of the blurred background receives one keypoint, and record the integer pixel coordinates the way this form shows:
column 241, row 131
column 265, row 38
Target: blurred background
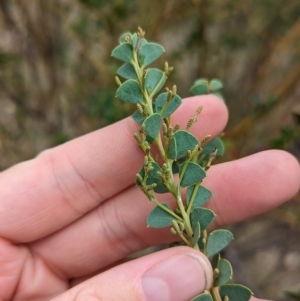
column 57, row 82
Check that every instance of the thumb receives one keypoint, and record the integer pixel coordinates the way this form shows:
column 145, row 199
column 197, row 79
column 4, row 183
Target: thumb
column 176, row 274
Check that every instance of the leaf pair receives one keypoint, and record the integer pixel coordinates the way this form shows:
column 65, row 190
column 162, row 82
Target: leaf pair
column 202, row 86
column 235, row 292
column 147, row 52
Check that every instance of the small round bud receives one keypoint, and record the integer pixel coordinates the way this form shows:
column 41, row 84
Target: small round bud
column 173, row 231
column 118, row 81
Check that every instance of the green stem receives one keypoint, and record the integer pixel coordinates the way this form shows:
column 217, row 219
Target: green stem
column 214, row 294
column 184, row 239
column 140, row 74
column 186, row 218
column 164, row 77
column 157, row 203
column 189, row 209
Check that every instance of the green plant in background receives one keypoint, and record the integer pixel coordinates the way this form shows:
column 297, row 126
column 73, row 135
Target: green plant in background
column 294, row 295
column 170, row 150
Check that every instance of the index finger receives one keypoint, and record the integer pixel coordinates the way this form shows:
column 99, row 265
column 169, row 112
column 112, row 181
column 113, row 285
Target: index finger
column 42, row 195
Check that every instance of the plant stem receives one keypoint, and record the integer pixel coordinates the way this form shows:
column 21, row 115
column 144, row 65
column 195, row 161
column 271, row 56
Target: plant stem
column 214, row 294
column 188, row 211
column 186, row 218
column 157, row 203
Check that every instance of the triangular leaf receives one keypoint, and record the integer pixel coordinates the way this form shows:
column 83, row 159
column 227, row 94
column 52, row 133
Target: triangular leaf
column 181, row 142
column 203, row 216
column 176, row 164
column 130, row 91
column 201, row 245
column 154, row 80
column 152, row 125
column 159, row 218
column 193, row 173
column 122, row 38
column 197, row 233
column 217, row 241
column 215, row 261
column 215, row 143
column 161, row 188
column 137, row 117
column 167, row 109
column 235, row 292
column 203, row 297
column 201, row 197
column 152, row 177
column 215, row 85
column 150, row 52
column 127, row 71
column 200, row 87
column 225, row 272
column 135, row 40
column 201, row 81
column 123, row 53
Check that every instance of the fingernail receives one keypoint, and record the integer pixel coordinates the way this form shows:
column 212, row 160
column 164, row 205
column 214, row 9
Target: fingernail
column 177, row 278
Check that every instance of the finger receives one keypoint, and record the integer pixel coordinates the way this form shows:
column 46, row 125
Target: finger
column 253, row 185
column 43, row 195
column 176, row 274
column 26, row 277
column 241, row 189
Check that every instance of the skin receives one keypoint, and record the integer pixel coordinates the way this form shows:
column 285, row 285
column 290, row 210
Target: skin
column 72, row 212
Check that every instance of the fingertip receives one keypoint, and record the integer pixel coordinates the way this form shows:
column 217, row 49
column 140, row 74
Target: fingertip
column 252, row 185
column 212, row 119
column 285, row 167
column 213, row 105
column 180, row 275
column 292, row 166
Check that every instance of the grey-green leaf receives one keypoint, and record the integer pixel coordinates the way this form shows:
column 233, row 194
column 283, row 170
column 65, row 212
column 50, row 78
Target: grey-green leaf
column 202, row 195
column 161, row 188
column 137, row 117
column 122, row 38
column 203, row 216
column 203, row 297
column 135, row 40
column 200, row 87
column 150, row 52
column 215, row 143
column 197, row 233
column 154, row 80
column 215, row 261
column 180, row 143
column 217, row 241
column 215, row 85
column 192, row 174
column 201, row 81
column 225, row 272
column 235, row 292
column 152, row 177
column 159, row 218
column 166, row 109
column 130, row 91
column 127, row 71
column 123, row 53
column 152, row 125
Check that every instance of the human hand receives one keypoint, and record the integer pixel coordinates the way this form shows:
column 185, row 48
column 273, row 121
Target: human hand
column 68, row 216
